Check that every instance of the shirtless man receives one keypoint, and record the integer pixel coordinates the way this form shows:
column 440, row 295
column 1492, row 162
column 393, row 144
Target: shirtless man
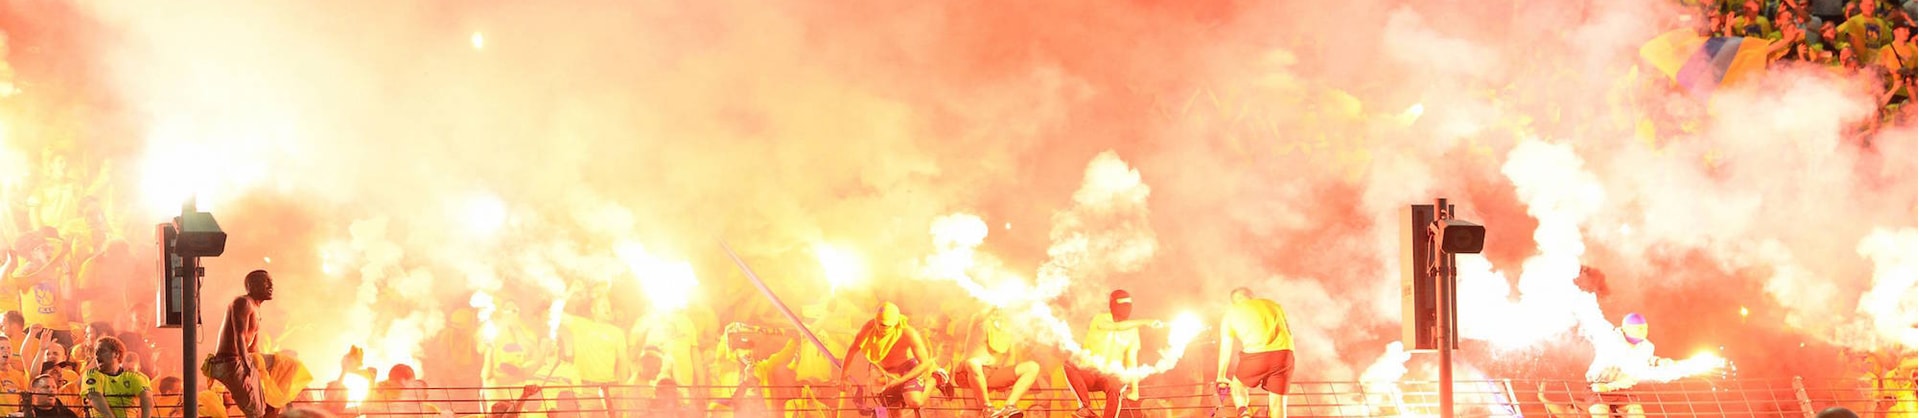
column 901, row 365
column 231, row 363
column 994, row 363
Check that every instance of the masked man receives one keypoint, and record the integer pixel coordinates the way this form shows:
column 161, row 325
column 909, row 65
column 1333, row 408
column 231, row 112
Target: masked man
column 900, row 355
column 1616, row 363
column 1112, row 341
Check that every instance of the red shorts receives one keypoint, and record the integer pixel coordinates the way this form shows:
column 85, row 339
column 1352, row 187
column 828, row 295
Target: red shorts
column 1271, row 370
column 998, row 377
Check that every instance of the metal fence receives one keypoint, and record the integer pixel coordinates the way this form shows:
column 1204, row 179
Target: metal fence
column 1792, row 397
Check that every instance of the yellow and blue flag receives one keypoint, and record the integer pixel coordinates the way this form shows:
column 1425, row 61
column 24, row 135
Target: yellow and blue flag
column 1700, row 64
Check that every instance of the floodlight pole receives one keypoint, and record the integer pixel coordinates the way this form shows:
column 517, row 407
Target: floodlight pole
column 189, row 323
column 1443, row 275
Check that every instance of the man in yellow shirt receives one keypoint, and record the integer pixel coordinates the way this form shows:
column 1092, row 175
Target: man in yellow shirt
column 599, row 347
column 1865, row 32
column 1112, row 342
column 1266, row 351
column 111, row 390
column 1749, row 23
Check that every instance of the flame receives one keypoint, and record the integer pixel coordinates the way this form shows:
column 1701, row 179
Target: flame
column 483, row 214
column 212, row 165
column 332, row 258
column 483, row 304
column 841, row 268
column 1890, row 305
column 357, row 386
column 669, row 285
column 555, row 313
column 1562, row 195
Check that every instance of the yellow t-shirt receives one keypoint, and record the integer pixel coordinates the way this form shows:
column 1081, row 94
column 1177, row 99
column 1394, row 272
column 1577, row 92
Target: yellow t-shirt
column 1757, row 27
column 41, row 301
column 1109, row 346
column 1260, row 325
column 212, row 404
column 12, row 383
column 122, row 390
column 597, row 349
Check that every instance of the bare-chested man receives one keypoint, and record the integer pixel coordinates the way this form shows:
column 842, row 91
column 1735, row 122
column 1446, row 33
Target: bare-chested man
column 900, row 355
column 231, row 363
column 996, row 362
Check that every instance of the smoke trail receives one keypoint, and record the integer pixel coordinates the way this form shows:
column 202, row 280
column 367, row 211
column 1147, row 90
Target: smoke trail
column 1106, row 232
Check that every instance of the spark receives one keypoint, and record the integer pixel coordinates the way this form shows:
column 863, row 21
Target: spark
column 268, row 260
column 842, row 268
column 1743, row 312
column 1412, row 114
column 479, row 42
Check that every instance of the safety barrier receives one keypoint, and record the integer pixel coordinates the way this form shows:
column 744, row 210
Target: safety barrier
column 1795, row 397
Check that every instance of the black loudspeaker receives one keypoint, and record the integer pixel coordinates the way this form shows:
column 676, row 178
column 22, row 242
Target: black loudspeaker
column 1462, row 237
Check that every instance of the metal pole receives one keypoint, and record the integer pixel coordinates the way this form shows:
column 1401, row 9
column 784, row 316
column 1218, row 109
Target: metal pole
column 1443, row 278
column 781, row 305
column 189, row 326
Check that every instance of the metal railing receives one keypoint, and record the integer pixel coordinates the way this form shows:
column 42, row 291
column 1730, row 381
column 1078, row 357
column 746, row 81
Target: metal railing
column 1792, row 397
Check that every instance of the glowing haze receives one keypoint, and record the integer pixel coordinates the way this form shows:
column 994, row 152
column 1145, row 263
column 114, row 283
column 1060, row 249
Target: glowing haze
column 395, row 159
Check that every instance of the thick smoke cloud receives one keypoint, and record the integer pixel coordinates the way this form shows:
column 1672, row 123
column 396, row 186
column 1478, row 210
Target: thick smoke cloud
column 1280, row 141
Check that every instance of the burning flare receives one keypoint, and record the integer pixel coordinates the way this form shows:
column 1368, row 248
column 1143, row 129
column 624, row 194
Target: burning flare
column 1699, row 365
column 357, row 387
column 668, row 285
column 842, row 269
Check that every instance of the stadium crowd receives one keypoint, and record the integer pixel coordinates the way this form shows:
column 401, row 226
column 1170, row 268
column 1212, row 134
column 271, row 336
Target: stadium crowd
column 79, row 318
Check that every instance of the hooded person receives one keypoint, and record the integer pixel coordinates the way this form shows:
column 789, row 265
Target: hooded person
column 1112, row 345
column 898, row 356
column 1618, row 361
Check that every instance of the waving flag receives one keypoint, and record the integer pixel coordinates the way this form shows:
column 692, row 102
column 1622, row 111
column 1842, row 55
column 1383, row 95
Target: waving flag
column 1701, row 64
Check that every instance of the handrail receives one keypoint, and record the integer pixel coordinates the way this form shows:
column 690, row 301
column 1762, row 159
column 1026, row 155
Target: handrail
column 1794, row 397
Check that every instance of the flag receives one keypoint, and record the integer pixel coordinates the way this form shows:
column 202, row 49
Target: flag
column 1701, row 64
